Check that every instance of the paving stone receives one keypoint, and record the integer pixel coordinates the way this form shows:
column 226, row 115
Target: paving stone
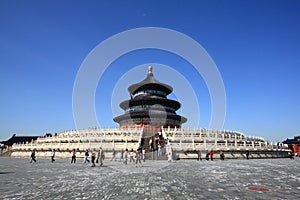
column 184, row 179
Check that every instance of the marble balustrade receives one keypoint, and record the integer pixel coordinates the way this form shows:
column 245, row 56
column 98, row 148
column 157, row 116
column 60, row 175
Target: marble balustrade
column 117, row 139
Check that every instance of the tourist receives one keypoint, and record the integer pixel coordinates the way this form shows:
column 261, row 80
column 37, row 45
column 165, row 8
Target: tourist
column 32, row 156
column 121, row 155
column 138, row 156
column 167, row 144
column 52, row 155
column 207, row 155
column 199, row 155
column 144, row 154
column 150, row 144
column 222, row 156
column 93, row 159
column 125, row 156
column 73, row 154
column 159, row 150
column 100, row 156
column 211, row 154
column 247, row 154
column 113, row 155
column 160, row 136
column 170, row 156
column 131, row 155
column 86, row 156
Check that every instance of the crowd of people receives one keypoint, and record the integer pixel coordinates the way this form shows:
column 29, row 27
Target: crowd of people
column 99, row 156
column 134, row 156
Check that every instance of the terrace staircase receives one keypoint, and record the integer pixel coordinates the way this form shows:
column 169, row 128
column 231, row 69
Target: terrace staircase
column 151, row 133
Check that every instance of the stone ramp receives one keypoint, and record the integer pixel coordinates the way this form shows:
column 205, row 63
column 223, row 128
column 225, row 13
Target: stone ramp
column 6, row 153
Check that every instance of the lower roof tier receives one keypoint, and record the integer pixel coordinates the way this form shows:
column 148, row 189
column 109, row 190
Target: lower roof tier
column 152, row 116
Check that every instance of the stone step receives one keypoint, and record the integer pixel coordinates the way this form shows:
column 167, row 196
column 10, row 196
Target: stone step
column 154, row 156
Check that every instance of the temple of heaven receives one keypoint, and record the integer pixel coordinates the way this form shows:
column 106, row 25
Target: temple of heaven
column 149, row 105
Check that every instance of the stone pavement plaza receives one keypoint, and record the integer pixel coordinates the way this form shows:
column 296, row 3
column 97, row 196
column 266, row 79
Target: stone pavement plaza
column 184, row 179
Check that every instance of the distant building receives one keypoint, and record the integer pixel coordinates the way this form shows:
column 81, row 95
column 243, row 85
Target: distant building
column 293, row 144
column 18, row 139
column 7, row 144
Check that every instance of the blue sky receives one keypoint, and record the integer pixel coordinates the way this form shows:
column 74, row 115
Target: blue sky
column 255, row 45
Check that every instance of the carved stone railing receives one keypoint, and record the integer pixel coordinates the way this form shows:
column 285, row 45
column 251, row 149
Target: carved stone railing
column 120, row 138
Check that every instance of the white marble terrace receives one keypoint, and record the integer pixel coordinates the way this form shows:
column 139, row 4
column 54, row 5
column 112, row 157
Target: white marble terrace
column 108, row 139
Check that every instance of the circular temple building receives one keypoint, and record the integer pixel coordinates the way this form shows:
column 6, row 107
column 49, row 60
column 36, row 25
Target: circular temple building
column 149, row 105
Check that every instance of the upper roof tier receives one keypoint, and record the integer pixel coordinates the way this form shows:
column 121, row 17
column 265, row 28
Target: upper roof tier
column 150, row 83
column 150, row 101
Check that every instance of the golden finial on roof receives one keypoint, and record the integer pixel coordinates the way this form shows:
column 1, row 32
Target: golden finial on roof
column 149, row 69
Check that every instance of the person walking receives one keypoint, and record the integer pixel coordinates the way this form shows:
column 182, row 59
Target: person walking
column 113, row 155
column 199, row 155
column 247, row 154
column 52, row 155
column 207, row 155
column 86, row 156
column 33, row 157
column 150, row 144
column 100, row 156
column 159, row 150
column 73, row 154
column 138, row 156
column 131, row 154
column 125, row 156
column 93, row 159
column 222, row 156
column 160, row 136
column 211, row 154
column 144, row 154
column 170, row 154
